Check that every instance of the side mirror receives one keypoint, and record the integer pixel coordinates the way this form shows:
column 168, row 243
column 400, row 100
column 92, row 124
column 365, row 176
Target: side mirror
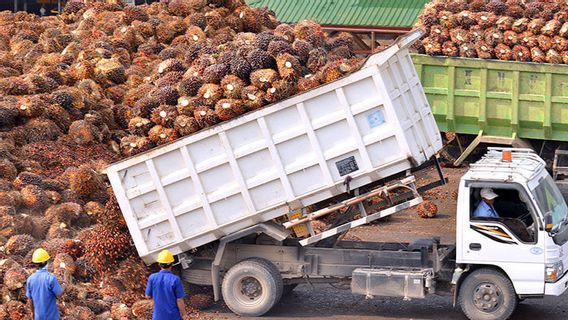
column 548, row 222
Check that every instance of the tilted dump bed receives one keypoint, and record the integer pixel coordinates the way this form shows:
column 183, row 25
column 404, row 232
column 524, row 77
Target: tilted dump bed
column 374, row 123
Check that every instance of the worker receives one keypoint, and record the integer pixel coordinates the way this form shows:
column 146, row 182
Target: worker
column 42, row 288
column 166, row 290
column 485, row 207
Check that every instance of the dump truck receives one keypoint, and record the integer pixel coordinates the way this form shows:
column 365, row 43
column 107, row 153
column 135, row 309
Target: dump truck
column 497, row 102
column 237, row 203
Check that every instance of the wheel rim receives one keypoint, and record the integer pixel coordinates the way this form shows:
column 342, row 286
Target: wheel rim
column 248, row 290
column 487, row 297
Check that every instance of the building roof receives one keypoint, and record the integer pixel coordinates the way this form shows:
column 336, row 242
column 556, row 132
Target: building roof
column 380, row 13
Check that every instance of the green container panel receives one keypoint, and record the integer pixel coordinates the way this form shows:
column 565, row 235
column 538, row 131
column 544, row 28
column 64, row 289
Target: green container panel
column 499, row 97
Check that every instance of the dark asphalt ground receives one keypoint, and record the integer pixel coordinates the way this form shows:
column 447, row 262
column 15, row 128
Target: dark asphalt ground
column 325, row 302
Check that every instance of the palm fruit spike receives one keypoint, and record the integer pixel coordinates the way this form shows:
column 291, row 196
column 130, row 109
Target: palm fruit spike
column 535, row 26
column 19, row 244
column 131, row 145
column 449, row 49
column 318, row 58
column 186, row 105
column 110, row 70
column 224, row 110
column 253, row 97
column 281, row 89
column 432, row 47
column 34, row 197
column 493, row 37
column 552, row 56
column 467, row 50
column 210, row 93
column 84, row 181
column 528, row 39
column 308, row 82
column 559, row 44
column 447, row 19
column 459, row 36
column 439, row 33
column 563, row 32
column 503, row 52
column 483, row 50
column 521, row 53
column 286, row 32
column 510, row 38
column 259, row 59
column 505, row 23
column 498, row 7
column 190, row 86
column 232, row 86
column 465, row 19
column 544, row 42
column 164, row 115
column 205, row 116
column 186, row 125
column 486, row 19
column 551, row 28
column 214, row 73
column 160, row 135
column 520, row 25
column 139, row 126
column 263, row 78
column 288, row 66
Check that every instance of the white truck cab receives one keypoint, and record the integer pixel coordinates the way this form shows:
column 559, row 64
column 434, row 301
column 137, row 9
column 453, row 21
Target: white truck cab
column 524, row 249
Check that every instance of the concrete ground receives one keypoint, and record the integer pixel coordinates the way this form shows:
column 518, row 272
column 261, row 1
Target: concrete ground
column 326, row 302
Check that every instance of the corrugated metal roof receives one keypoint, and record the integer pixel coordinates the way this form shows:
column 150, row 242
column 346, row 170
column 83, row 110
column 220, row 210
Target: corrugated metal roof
column 380, row 13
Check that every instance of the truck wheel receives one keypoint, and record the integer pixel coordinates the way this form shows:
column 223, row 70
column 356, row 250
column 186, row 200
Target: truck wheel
column 487, row 294
column 252, row 287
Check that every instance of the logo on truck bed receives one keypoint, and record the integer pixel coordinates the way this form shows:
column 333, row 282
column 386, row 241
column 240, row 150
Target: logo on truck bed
column 493, row 233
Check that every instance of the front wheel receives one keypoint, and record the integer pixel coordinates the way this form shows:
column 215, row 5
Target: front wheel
column 487, row 294
column 252, row 287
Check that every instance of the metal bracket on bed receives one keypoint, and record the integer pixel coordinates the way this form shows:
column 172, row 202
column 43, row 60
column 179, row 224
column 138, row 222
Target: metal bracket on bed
column 408, row 183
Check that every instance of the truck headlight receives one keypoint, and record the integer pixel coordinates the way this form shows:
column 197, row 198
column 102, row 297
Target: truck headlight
column 554, row 271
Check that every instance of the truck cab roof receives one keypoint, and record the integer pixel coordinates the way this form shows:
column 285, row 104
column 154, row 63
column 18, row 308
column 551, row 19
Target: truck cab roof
column 524, row 165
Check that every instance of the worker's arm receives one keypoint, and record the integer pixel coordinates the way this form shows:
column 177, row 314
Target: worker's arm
column 181, row 306
column 31, row 304
column 180, row 294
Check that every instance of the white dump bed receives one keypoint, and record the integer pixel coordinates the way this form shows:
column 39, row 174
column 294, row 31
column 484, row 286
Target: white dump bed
column 369, row 125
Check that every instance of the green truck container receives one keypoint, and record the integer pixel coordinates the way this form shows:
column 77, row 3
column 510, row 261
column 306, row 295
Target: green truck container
column 496, row 98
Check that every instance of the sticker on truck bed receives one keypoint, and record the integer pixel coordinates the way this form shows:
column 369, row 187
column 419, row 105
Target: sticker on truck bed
column 375, row 119
column 346, row 166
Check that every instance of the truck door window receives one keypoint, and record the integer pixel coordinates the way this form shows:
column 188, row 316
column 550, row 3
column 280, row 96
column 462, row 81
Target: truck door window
column 510, row 208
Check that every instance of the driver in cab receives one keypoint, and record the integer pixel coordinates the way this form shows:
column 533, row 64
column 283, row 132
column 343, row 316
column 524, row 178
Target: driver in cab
column 485, row 207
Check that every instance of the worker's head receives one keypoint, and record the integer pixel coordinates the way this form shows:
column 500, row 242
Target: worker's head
column 40, row 258
column 488, row 195
column 165, row 259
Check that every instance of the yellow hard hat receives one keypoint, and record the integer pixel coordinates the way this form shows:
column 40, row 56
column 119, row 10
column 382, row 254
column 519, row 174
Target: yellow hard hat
column 40, row 256
column 165, row 257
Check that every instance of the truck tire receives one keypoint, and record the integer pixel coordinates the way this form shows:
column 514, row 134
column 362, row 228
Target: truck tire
column 252, row 287
column 487, row 294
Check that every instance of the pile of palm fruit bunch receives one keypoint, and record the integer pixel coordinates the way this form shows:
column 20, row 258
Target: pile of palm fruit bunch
column 104, row 81
column 515, row 30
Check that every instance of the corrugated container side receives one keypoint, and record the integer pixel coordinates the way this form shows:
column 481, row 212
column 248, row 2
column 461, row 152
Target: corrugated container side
column 502, row 98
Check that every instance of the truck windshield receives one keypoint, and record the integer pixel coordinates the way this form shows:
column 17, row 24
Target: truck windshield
column 550, row 201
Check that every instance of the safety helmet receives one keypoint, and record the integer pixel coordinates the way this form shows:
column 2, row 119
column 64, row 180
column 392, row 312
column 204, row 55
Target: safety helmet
column 40, row 256
column 165, row 257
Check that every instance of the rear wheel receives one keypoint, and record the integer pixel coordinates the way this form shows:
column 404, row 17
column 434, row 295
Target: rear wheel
column 252, row 287
column 487, row 294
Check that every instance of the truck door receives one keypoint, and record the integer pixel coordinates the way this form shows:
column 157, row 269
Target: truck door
column 511, row 241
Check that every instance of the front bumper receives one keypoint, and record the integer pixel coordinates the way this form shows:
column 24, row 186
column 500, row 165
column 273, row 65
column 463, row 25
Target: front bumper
column 557, row 288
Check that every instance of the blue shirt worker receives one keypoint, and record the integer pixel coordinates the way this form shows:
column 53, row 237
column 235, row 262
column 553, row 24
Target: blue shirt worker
column 485, row 207
column 42, row 289
column 166, row 290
